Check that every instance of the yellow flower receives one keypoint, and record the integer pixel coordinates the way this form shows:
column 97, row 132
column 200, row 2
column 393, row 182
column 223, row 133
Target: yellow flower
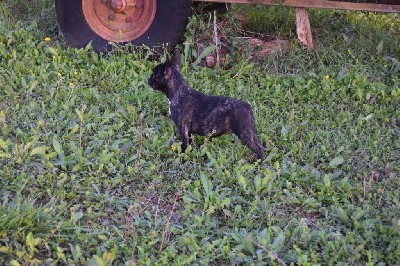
column 40, row 123
column 71, row 84
column 327, row 77
column 76, row 73
column 47, row 39
column 173, row 148
column 58, row 74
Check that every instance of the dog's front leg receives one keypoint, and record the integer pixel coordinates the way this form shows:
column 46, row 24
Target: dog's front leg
column 185, row 135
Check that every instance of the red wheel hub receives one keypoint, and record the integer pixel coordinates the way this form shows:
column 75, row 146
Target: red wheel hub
column 119, row 20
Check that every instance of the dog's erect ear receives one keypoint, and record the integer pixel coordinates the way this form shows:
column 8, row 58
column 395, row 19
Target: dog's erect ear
column 167, row 73
column 176, row 59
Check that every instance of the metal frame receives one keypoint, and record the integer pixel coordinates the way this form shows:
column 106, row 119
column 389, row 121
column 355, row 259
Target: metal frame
column 323, row 4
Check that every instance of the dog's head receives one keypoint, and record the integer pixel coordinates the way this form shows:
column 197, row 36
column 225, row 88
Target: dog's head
column 164, row 73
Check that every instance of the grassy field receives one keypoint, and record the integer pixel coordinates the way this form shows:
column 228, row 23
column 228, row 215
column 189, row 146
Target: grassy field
column 90, row 164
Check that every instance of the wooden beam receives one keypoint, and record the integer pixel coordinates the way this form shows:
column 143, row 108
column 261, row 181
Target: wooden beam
column 303, row 27
column 323, row 4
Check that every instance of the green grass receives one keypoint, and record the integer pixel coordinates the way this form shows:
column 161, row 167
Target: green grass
column 84, row 139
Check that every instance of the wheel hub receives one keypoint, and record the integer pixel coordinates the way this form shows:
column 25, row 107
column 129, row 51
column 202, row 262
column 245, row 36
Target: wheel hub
column 118, row 5
column 119, row 20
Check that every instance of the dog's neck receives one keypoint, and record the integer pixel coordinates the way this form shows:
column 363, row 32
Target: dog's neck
column 176, row 86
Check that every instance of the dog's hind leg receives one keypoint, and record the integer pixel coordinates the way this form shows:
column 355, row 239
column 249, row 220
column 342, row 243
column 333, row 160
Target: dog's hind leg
column 250, row 138
column 244, row 128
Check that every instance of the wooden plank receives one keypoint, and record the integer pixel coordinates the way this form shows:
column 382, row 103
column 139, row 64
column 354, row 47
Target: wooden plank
column 323, row 4
column 303, row 27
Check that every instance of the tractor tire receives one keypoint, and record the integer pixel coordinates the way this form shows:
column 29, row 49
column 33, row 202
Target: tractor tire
column 139, row 22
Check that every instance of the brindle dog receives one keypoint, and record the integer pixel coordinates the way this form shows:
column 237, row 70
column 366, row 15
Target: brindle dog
column 196, row 113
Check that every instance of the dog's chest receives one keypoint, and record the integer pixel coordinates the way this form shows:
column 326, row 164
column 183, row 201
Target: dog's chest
column 180, row 109
column 169, row 107
column 173, row 110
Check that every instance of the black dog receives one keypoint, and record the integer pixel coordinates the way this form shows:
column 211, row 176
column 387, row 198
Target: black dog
column 196, row 113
